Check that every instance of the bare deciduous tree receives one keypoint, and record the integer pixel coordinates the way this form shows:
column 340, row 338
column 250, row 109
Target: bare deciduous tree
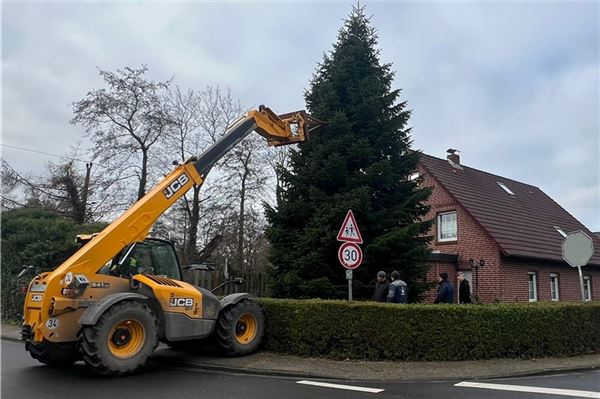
column 278, row 158
column 63, row 189
column 11, row 181
column 70, row 189
column 245, row 177
column 198, row 119
column 124, row 120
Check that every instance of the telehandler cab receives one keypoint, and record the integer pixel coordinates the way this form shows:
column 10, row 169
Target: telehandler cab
column 119, row 295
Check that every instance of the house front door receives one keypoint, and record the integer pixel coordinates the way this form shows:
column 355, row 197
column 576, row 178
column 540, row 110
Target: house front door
column 469, row 278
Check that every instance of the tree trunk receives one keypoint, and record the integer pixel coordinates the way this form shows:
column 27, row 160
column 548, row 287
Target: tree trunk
column 74, row 195
column 240, row 235
column 191, row 249
column 144, row 174
column 85, row 191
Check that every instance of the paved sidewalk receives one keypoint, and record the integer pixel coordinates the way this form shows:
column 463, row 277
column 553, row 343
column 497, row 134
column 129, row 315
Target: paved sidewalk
column 276, row 364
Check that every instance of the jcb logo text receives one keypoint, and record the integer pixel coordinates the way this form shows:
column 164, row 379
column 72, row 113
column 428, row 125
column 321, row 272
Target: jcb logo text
column 181, row 302
column 176, row 185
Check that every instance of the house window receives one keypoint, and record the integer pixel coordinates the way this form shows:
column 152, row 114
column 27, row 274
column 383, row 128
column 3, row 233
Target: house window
column 587, row 288
column 554, row 287
column 447, row 227
column 532, row 286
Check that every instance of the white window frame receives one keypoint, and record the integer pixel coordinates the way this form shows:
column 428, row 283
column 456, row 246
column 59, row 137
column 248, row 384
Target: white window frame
column 531, row 280
column 554, row 291
column 413, row 176
column 439, row 227
column 505, row 188
column 560, row 231
column 587, row 288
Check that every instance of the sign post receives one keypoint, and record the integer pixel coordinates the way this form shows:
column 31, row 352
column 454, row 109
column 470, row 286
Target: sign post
column 577, row 250
column 350, row 255
column 350, row 290
column 349, row 278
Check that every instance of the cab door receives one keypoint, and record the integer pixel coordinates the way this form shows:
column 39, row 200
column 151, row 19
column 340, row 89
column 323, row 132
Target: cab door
column 164, row 259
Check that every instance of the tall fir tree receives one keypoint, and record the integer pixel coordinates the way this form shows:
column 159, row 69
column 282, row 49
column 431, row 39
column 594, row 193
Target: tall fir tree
column 360, row 161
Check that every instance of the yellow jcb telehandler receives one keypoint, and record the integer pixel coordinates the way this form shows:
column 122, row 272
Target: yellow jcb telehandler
column 119, row 295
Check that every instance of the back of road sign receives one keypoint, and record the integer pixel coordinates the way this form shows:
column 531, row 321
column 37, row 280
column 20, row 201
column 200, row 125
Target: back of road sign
column 577, row 248
column 349, row 231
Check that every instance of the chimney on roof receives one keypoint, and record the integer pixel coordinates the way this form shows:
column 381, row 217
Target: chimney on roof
column 453, row 156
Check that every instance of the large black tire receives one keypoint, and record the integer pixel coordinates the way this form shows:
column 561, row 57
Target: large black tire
column 240, row 328
column 122, row 339
column 53, row 354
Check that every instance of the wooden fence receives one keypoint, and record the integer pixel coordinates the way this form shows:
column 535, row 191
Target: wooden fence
column 254, row 283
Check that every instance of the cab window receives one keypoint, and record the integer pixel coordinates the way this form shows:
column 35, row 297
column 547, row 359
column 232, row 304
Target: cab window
column 165, row 261
column 149, row 257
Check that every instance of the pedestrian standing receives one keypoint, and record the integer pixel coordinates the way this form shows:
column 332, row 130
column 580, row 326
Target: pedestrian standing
column 381, row 287
column 398, row 290
column 445, row 293
column 464, row 289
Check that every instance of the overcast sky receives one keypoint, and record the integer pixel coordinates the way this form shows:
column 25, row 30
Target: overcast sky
column 514, row 86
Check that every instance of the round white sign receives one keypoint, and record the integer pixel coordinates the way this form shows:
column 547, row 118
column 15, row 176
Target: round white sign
column 350, row 255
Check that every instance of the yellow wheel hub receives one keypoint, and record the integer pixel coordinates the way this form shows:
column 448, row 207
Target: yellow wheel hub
column 245, row 329
column 126, row 338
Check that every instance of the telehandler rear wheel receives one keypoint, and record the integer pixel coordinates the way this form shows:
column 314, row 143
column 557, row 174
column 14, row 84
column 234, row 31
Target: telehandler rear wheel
column 240, row 328
column 53, row 354
column 122, row 339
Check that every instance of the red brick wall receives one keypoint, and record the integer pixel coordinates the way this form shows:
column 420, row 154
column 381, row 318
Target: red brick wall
column 472, row 243
column 516, row 280
column 501, row 279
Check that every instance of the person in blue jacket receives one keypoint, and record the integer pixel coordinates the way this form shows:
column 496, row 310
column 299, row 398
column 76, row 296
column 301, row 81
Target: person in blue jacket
column 445, row 293
column 398, row 290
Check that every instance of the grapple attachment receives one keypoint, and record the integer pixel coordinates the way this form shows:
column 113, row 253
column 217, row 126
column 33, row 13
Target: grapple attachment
column 289, row 128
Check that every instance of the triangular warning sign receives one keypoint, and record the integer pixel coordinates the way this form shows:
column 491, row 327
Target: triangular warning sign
column 349, row 231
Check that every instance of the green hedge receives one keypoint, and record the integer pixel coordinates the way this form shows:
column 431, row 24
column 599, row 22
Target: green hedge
column 371, row 331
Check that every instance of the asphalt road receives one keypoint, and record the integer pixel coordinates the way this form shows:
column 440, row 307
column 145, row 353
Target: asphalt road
column 23, row 377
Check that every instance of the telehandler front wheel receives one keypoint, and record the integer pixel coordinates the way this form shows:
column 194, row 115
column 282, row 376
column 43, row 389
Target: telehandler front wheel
column 122, row 339
column 53, row 354
column 240, row 328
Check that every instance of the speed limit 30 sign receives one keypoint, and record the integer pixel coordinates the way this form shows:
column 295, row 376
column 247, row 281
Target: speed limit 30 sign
column 350, row 255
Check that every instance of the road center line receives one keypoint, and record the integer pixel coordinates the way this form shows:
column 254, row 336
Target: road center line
column 522, row 388
column 339, row 386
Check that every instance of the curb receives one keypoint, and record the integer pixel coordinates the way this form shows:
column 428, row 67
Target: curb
column 14, row 336
column 250, row 371
column 533, row 373
column 297, row 374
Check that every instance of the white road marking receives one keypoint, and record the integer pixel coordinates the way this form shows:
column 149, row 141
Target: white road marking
column 522, row 388
column 339, row 386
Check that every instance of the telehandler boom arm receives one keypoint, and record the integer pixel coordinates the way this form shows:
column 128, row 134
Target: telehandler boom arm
column 137, row 221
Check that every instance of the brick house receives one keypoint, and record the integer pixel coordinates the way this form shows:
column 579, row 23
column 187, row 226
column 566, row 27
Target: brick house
column 503, row 234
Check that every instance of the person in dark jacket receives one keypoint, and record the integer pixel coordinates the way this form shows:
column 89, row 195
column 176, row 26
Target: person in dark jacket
column 464, row 290
column 381, row 287
column 398, row 290
column 445, row 293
